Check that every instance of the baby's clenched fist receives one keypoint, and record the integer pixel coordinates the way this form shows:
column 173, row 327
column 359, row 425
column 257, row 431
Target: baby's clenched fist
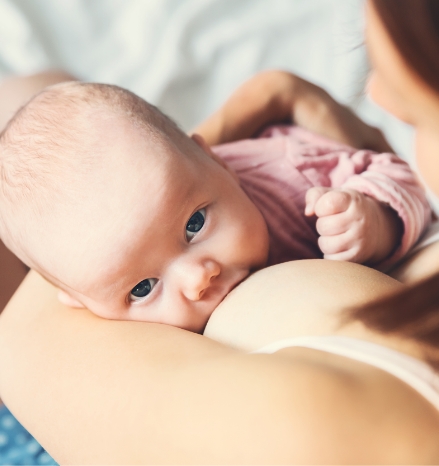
column 352, row 226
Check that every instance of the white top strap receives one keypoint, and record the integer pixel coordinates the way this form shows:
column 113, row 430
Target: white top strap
column 414, row 372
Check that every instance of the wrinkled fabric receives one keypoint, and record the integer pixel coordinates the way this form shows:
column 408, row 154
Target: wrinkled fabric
column 277, row 169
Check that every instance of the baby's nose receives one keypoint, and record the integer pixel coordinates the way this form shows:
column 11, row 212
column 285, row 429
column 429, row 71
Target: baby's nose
column 197, row 278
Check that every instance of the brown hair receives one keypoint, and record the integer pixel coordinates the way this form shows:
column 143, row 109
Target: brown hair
column 413, row 26
column 411, row 313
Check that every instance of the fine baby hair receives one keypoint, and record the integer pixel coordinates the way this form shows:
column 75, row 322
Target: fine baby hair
column 106, row 198
column 49, row 148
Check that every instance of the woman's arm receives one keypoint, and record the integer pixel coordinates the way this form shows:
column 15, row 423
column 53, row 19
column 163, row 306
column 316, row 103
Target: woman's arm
column 272, row 97
column 95, row 391
column 418, row 266
column 15, row 91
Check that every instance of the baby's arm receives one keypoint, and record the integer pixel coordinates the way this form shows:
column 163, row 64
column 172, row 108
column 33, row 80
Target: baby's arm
column 278, row 96
column 374, row 212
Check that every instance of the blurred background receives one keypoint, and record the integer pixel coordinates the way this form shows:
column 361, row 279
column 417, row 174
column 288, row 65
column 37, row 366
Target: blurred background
column 186, row 57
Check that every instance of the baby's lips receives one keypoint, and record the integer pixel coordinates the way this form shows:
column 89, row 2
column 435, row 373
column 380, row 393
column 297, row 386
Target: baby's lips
column 219, row 292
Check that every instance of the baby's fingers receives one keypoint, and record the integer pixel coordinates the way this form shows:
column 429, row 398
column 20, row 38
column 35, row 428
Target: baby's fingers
column 332, row 203
column 335, row 244
column 333, row 224
column 344, row 247
column 311, row 198
column 347, row 256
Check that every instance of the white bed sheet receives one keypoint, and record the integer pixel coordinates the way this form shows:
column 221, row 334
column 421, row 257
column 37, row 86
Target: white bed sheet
column 186, row 56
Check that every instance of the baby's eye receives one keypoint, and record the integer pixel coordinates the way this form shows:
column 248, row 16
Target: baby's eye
column 195, row 223
column 142, row 289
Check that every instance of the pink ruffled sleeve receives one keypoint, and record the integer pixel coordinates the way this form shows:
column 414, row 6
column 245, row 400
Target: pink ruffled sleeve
column 383, row 176
column 391, row 181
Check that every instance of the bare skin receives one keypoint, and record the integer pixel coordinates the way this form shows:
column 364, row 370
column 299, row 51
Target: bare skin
column 418, row 266
column 160, row 366
column 178, row 276
column 344, row 217
column 182, row 398
column 15, row 92
column 277, row 96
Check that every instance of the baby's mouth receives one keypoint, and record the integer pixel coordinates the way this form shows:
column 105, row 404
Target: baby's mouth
column 237, row 283
column 224, row 293
column 216, row 293
column 233, row 285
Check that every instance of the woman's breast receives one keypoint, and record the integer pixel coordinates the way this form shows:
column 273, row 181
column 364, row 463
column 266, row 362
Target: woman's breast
column 307, row 297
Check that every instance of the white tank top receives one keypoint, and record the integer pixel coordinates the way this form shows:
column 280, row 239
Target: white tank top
column 414, row 372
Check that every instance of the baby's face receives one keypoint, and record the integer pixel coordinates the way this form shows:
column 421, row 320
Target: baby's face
column 168, row 234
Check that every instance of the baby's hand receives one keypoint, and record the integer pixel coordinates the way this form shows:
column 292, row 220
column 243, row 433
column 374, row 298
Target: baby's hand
column 352, row 226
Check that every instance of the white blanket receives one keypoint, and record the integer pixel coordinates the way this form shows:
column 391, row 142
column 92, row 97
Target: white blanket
column 186, row 56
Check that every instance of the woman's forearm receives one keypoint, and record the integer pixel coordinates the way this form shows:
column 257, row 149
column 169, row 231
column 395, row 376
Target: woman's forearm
column 266, row 98
column 95, row 391
column 15, row 91
column 99, row 391
column 276, row 96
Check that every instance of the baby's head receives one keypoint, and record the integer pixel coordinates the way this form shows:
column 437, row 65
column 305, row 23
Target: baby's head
column 110, row 201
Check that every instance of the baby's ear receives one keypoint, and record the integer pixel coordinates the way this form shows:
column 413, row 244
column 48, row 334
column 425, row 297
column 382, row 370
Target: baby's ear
column 199, row 140
column 66, row 299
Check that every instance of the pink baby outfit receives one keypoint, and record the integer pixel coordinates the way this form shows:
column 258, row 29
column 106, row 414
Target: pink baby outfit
column 278, row 168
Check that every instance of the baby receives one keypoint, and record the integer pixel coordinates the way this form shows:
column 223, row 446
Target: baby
column 105, row 197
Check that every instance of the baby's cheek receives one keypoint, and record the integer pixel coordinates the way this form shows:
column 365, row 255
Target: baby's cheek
column 244, row 232
column 259, row 243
